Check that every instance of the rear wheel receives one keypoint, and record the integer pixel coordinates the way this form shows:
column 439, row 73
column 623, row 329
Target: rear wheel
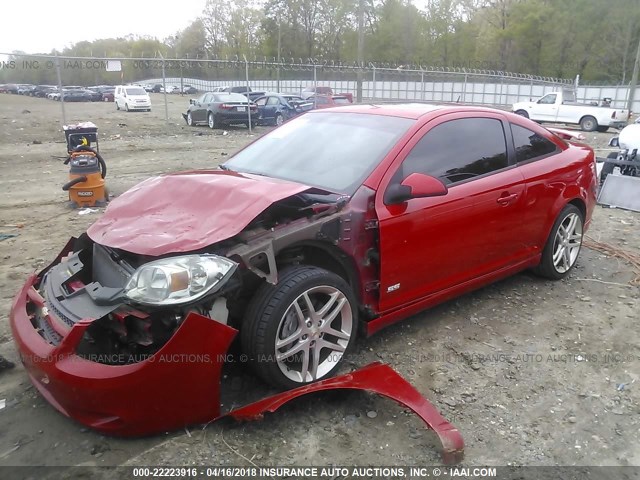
column 589, row 124
column 522, row 113
column 563, row 245
column 211, row 120
column 297, row 332
column 117, row 106
column 279, row 120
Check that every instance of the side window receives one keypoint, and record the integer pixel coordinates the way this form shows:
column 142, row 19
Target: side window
column 458, row 150
column 261, row 101
column 273, row 101
column 529, row 144
column 548, row 99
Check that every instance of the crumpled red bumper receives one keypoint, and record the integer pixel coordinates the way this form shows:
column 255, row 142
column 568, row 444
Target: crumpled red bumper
column 179, row 385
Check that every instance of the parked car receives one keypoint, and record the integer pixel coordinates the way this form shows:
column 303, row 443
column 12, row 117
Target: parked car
column 276, row 108
column 218, row 109
column 10, row 88
column 328, row 101
column 79, row 96
column 130, row 98
column 42, row 90
column 173, row 89
column 189, row 90
column 311, row 91
column 25, row 89
column 106, row 92
column 253, row 96
column 297, row 243
column 561, row 107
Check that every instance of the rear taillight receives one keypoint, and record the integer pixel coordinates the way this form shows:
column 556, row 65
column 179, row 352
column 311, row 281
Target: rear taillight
column 224, row 106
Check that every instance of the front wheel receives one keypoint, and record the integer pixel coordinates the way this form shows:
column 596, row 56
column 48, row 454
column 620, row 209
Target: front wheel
column 563, row 245
column 189, row 119
column 126, row 107
column 297, row 332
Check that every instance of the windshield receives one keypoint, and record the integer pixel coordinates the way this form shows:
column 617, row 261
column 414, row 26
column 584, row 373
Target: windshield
column 332, row 151
column 136, row 91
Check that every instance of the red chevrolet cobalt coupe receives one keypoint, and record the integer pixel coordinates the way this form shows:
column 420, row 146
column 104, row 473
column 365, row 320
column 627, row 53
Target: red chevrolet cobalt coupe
column 339, row 222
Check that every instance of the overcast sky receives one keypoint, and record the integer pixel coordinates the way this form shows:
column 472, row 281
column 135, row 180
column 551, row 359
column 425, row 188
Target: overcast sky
column 38, row 26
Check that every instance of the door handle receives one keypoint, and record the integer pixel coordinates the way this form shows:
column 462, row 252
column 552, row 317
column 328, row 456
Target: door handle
column 507, row 199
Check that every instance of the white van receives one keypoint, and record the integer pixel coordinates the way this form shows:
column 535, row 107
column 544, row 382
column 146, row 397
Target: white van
column 131, row 97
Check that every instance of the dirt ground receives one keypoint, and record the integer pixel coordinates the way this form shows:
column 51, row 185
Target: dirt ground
column 531, row 372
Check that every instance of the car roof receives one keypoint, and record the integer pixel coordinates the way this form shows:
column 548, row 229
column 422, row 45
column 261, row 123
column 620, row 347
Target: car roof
column 406, row 110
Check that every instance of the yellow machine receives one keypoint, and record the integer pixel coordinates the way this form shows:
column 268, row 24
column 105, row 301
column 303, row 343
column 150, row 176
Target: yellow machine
column 87, row 170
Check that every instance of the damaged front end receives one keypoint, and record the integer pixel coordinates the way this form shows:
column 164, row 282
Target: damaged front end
column 114, row 369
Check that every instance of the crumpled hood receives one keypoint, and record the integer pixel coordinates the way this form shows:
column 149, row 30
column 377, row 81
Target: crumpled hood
column 187, row 211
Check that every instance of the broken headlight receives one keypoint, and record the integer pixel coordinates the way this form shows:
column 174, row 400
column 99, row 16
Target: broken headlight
column 177, row 280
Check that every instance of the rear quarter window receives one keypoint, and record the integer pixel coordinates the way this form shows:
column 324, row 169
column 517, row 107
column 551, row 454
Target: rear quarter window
column 530, row 145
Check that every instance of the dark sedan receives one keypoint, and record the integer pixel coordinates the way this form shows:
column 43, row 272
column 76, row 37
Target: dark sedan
column 218, row 109
column 79, row 96
column 276, row 108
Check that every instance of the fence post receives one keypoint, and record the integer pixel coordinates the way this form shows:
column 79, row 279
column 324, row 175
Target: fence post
column 422, row 84
column 374, row 84
column 246, row 73
column 464, row 90
column 64, row 116
column 315, row 87
column 164, row 87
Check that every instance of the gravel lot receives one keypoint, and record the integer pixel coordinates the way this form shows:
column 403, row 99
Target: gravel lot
column 531, row 372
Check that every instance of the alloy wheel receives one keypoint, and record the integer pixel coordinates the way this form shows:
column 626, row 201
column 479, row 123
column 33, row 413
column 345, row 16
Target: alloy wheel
column 313, row 334
column 566, row 245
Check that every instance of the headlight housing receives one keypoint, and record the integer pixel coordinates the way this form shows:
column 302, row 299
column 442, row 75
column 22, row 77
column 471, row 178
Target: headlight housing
column 178, row 280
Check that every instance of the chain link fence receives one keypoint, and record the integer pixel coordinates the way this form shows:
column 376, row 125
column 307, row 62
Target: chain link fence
column 379, row 83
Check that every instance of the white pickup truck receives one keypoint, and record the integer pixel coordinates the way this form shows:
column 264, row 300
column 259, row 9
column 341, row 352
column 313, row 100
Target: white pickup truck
column 561, row 107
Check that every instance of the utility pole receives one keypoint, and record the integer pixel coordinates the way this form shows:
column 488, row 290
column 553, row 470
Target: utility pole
column 360, row 50
column 634, row 80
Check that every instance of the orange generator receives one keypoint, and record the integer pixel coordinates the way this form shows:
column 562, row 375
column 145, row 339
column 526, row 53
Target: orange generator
column 87, row 169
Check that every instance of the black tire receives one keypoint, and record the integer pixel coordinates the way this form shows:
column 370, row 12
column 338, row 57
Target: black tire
column 588, row 124
column 190, row 120
column 211, row 121
column 603, row 129
column 279, row 120
column 269, row 310
column 547, row 267
column 607, row 168
column 117, row 106
column 126, row 107
column 522, row 113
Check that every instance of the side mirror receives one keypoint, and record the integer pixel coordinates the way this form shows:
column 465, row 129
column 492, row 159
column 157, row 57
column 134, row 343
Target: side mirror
column 614, row 142
column 416, row 185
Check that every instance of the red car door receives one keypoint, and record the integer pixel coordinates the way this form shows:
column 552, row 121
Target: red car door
column 428, row 245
